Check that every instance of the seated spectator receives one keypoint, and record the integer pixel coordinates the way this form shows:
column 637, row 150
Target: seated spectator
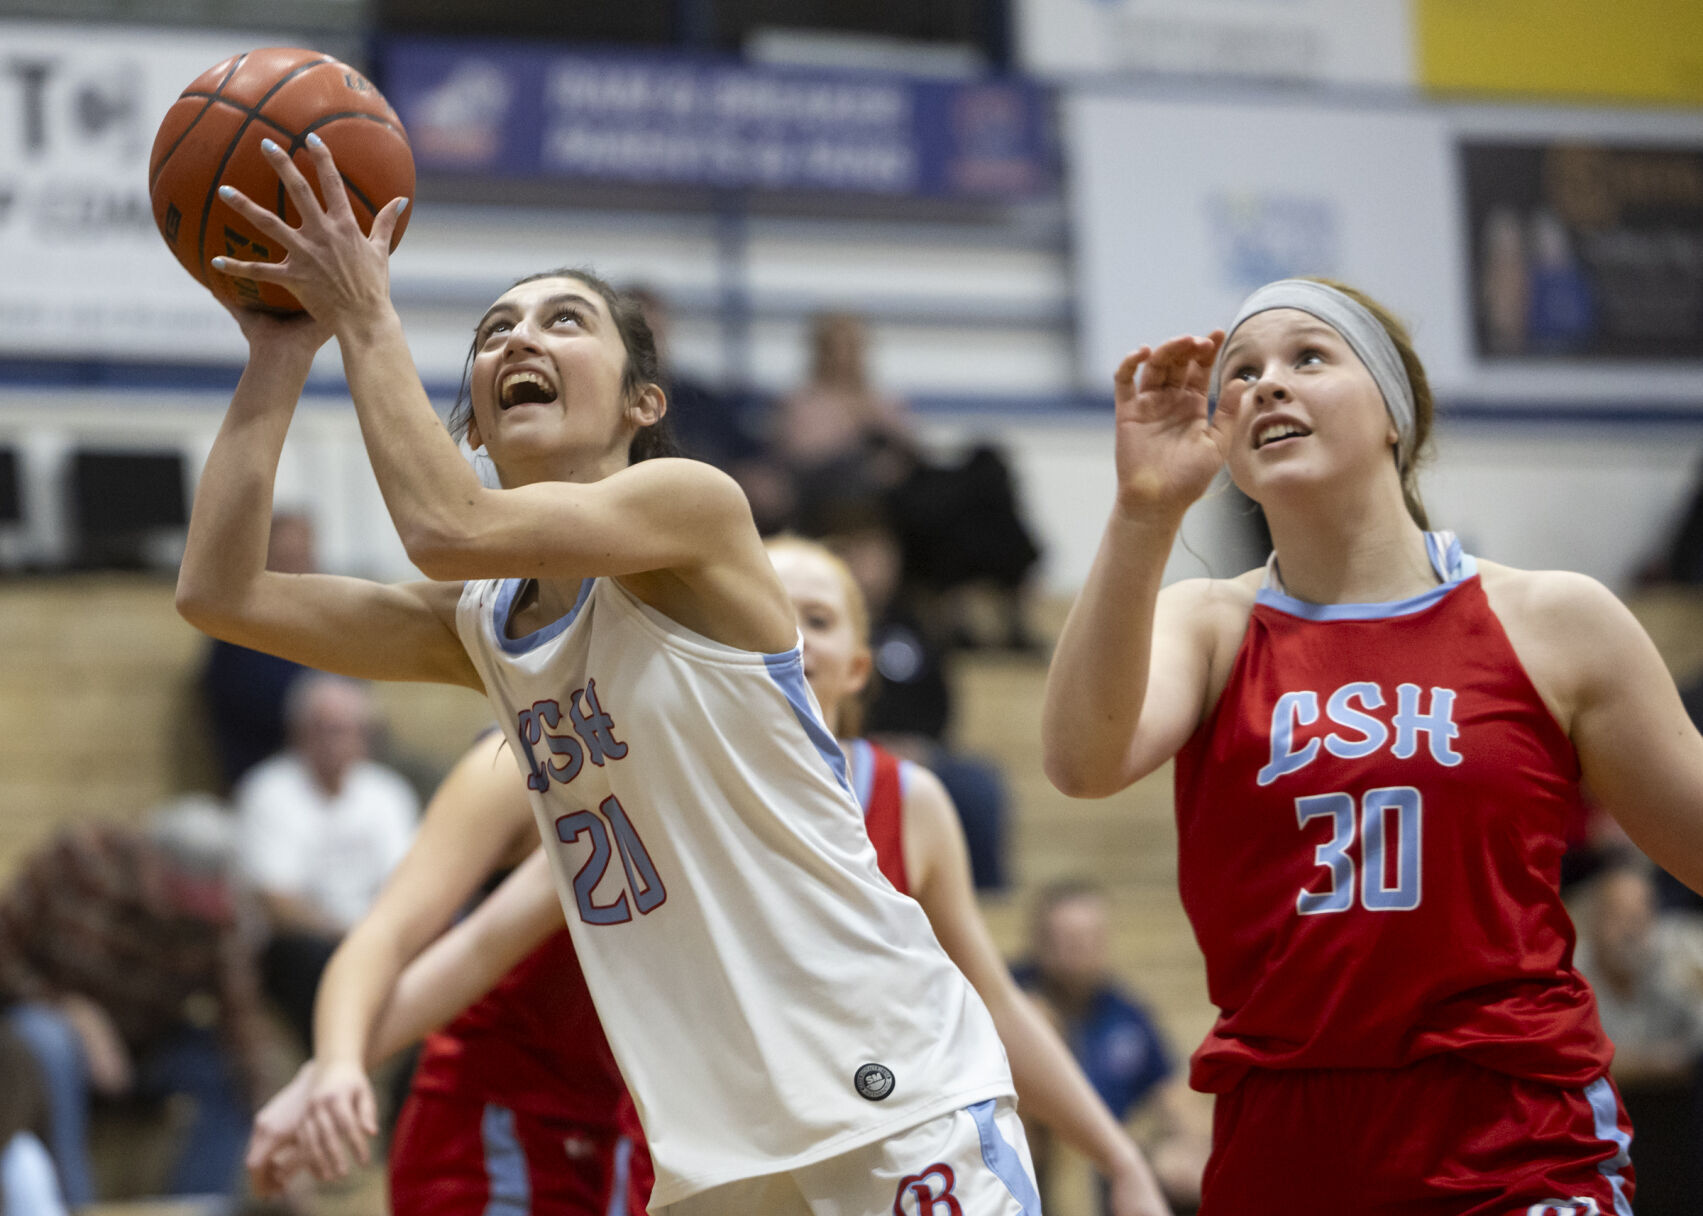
column 321, row 826
column 244, row 689
column 127, row 966
column 28, row 1182
column 1656, row 1028
column 1112, row 1036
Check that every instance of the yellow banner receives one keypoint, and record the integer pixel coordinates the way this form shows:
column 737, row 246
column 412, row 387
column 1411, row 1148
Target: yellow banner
column 1631, row 50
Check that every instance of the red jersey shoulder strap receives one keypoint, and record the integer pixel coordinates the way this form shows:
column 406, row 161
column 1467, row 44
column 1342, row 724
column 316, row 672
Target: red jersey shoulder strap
column 882, row 793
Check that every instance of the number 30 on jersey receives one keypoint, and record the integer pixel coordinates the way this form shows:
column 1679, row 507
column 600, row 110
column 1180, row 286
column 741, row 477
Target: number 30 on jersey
column 1386, row 819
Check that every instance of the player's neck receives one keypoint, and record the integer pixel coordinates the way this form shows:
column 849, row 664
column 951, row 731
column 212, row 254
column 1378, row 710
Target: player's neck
column 1372, row 554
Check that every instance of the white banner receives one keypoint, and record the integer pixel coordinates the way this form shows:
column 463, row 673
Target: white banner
column 1181, row 208
column 83, row 271
column 1360, row 42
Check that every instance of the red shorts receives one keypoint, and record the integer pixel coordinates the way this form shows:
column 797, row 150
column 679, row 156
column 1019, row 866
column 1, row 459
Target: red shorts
column 459, row 1157
column 1440, row 1138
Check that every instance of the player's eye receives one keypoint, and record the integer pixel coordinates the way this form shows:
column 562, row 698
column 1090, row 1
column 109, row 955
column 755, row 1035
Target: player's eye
column 1309, row 356
column 1246, row 371
column 573, row 315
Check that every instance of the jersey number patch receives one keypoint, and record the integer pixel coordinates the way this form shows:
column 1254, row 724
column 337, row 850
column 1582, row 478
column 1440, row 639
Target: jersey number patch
column 1389, row 826
column 643, row 882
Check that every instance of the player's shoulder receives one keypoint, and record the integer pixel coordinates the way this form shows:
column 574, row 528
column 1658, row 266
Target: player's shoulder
column 1212, row 611
column 1561, row 601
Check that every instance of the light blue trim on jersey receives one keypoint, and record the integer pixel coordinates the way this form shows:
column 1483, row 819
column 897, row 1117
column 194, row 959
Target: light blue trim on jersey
column 508, row 1184
column 505, row 601
column 1605, row 1111
column 1451, row 565
column 1004, row 1160
column 862, row 771
column 786, row 669
column 623, row 1179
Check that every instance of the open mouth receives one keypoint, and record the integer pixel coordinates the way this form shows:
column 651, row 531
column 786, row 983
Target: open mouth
column 524, row 388
column 1277, row 432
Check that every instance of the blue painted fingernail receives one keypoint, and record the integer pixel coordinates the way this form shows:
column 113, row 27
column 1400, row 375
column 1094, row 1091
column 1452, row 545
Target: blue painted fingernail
column 402, row 206
column 268, row 145
column 218, row 263
column 315, row 141
column 227, row 191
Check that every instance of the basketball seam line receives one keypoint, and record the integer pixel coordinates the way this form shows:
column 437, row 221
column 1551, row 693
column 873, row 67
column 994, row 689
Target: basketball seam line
column 230, row 149
column 154, row 176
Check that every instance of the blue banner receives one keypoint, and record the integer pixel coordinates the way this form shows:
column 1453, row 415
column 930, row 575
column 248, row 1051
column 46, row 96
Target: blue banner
column 512, row 110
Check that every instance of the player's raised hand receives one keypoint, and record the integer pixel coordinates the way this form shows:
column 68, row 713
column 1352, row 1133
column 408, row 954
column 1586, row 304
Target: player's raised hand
column 341, row 1120
column 337, row 272
column 1168, row 449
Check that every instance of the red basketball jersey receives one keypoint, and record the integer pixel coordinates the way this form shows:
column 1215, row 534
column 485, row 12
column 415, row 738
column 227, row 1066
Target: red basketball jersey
column 877, row 778
column 533, row 1043
column 1370, row 829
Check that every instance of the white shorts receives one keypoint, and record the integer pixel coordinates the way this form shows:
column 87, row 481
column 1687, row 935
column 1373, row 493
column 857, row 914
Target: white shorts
column 971, row 1162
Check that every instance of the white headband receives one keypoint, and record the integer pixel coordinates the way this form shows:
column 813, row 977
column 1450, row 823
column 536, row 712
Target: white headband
column 1363, row 332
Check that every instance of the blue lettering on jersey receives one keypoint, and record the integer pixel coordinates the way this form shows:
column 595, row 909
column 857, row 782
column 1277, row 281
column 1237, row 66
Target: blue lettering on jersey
column 1360, row 732
column 594, row 728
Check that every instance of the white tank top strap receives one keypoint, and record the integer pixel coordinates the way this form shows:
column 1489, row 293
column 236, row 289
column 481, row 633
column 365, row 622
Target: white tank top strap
column 1443, row 548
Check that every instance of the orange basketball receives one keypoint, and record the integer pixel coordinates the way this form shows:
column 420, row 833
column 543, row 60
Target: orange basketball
column 211, row 138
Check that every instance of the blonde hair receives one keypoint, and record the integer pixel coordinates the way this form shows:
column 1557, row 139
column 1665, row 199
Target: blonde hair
column 848, row 721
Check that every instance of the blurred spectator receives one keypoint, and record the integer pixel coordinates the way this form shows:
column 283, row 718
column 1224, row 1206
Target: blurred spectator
column 839, row 436
column 321, row 826
column 709, row 423
column 244, row 688
column 957, row 523
column 910, row 709
column 1112, row 1036
column 28, row 1182
column 127, row 965
column 1656, row 1029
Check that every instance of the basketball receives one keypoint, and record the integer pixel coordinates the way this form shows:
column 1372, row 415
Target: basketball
column 211, row 137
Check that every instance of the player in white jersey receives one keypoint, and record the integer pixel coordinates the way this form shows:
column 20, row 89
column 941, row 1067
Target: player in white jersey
column 792, row 1033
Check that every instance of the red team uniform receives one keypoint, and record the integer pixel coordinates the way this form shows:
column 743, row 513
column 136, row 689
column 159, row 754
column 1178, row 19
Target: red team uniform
column 517, row 1106
column 1371, row 825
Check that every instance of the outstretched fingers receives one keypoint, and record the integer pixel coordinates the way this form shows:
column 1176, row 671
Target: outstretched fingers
column 290, row 177
column 331, row 185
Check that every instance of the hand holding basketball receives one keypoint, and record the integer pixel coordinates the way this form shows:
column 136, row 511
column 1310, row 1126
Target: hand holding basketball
column 330, row 265
column 214, row 134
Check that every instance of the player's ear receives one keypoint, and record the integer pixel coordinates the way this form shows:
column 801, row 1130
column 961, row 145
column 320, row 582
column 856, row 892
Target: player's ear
column 862, row 666
column 648, row 406
column 475, row 440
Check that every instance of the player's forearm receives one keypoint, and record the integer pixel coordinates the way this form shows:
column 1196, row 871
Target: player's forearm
column 352, row 995
column 225, row 554
column 468, row 961
column 1097, row 680
column 428, row 488
column 1053, row 1089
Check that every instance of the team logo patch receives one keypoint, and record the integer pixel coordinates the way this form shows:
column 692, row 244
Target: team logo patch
column 873, row 1081
column 928, row 1193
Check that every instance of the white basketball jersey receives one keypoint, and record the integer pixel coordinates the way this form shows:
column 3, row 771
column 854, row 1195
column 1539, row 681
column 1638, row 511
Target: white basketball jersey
column 771, row 999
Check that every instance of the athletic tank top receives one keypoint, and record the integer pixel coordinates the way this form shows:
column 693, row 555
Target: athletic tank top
column 1370, row 826
column 878, row 779
column 770, row 998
